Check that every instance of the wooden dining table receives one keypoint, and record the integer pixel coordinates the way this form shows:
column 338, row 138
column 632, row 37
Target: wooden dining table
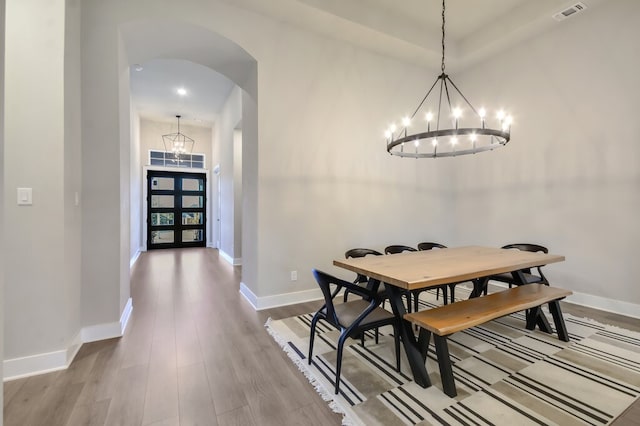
column 433, row 268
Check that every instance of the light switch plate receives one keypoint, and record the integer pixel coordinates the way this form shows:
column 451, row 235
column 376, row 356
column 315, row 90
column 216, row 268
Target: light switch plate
column 25, row 196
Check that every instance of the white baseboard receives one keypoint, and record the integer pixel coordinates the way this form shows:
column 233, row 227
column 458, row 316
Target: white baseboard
column 234, row 261
column 597, row 302
column 32, row 365
column 18, row 368
column 267, row 302
column 602, row 303
column 249, row 295
column 134, row 258
column 73, row 349
column 126, row 315
column 110, row 330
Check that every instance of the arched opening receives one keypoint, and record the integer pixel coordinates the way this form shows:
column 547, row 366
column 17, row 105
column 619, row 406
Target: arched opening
column 235, row 132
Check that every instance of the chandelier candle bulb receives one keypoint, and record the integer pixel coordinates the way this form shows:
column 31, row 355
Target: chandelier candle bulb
column 482, row 113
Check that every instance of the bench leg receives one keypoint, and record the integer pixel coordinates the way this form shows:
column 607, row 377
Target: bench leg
column 543, row 323
column 558, row 320
column 444, row 362
column 534, row 317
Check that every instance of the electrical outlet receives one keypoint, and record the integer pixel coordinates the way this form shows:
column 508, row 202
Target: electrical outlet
column 294, row 275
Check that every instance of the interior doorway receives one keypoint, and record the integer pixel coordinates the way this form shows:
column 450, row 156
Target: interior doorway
column 176, row 209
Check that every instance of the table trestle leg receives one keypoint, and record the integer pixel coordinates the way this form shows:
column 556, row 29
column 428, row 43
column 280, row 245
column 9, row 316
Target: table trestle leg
column 416, row 350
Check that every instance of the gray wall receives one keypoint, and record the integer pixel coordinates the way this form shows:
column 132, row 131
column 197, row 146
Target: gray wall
column 2, row 225
column 137, row 222
column 42, row 287
column 101, row 173
column 230, row 213
column 570, row 177
column 72, row 172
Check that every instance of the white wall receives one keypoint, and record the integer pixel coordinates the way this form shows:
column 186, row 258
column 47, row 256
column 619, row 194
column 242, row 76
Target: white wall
column 230, row 188
column 136, row 220
column 72, row 172
column 42, row 301
column 101, row 206
column 250, row 175
column 237, row 193
column 2, row 245
column 570, row 177
column 124, row 146
column 326, row 183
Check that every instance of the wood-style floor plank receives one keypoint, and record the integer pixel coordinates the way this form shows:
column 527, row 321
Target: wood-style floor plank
column 94, row 414
column 194, row 352
column 223, row 382
column 161, row 398
column 239, row 417
column 56, row 405
column 127, row 404
column 196, row 404
column 28, row 398
column 11, row 388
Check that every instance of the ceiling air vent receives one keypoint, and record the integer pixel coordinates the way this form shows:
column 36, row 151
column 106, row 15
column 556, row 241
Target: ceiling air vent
column 569, row 11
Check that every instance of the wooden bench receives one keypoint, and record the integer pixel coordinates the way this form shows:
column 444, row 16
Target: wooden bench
column 448, row 319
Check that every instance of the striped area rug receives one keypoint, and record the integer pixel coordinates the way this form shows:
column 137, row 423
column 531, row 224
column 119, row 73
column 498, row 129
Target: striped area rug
column 505, row 374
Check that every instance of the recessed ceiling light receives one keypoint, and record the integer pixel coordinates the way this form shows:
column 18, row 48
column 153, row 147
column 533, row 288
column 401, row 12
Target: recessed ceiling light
column 182, row 91
column 137, row 67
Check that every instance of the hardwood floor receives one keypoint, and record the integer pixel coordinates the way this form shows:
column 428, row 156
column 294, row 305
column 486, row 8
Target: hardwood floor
column 194, row 353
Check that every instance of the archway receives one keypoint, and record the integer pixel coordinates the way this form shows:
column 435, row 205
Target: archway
column 144, row 40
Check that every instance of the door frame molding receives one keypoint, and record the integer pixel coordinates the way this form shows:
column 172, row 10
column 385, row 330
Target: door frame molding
column 145, row 194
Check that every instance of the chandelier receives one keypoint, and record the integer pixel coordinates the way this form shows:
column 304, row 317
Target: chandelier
column 447, row 125
column 178, row 143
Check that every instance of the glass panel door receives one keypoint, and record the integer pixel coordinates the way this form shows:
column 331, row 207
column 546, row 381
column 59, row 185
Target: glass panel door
column 176, row 213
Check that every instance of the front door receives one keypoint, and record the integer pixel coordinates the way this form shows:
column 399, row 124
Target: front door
column 176, row 213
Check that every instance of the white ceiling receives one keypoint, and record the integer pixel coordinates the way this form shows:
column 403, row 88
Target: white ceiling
column 154, row 91
column 409, row 30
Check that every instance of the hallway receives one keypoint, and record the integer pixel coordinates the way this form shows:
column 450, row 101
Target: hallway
column 194, row 352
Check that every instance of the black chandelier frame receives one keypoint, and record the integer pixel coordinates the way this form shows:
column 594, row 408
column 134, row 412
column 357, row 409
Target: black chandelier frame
column 483, row 138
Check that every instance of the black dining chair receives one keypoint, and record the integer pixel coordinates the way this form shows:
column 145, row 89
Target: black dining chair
column 430, row 246
column 353, row 318
column 395, row 249
column 526, row 274
column 363, row 280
